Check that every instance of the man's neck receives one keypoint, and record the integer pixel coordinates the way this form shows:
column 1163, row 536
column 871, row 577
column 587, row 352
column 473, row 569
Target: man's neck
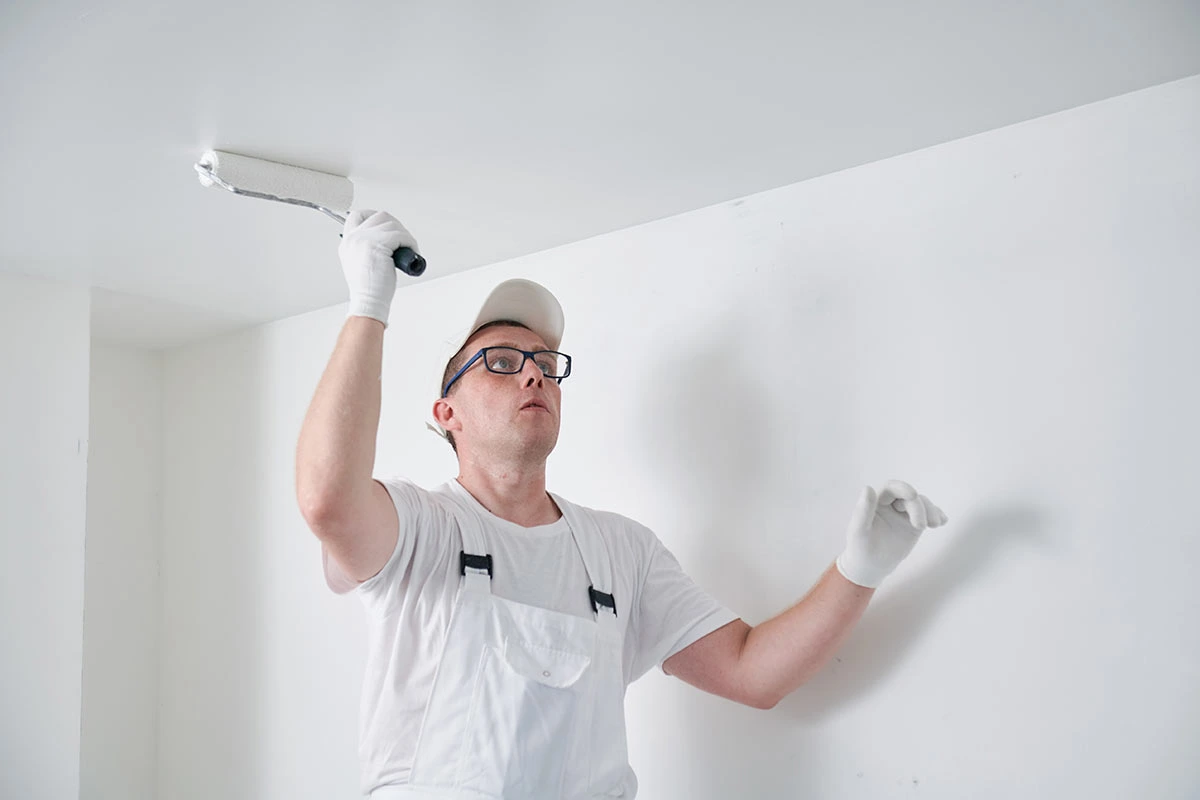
column 512, row 494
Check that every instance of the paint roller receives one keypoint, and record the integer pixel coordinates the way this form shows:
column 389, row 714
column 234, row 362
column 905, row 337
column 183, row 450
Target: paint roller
column 284, row 183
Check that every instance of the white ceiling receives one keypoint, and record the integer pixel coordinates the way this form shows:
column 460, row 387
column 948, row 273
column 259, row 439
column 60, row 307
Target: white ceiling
column 492, row 129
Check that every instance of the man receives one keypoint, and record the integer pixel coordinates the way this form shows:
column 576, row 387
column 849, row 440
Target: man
column 506, row 622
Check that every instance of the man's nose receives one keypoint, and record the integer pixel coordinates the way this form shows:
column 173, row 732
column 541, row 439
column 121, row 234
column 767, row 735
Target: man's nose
column 531, row 373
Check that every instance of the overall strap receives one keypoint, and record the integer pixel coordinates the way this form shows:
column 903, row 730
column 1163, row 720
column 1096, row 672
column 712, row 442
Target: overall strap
column 474, row 561
column 597, row 561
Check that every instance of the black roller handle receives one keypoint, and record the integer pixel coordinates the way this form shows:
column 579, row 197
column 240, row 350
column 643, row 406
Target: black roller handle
column 409, row 261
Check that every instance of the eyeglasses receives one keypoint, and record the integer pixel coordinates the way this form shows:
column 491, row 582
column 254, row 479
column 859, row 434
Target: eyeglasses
column 510, row 361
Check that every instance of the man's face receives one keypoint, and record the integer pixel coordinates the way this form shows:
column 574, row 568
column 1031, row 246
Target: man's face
column 506, row 417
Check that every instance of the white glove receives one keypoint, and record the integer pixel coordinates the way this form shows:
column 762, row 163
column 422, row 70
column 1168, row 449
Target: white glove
column 368, row 240
column 884, row 530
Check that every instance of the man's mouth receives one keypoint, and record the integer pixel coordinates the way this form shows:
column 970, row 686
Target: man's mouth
column 534, row 404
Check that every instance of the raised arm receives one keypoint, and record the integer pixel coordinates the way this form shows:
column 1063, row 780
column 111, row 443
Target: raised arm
column 350, row 512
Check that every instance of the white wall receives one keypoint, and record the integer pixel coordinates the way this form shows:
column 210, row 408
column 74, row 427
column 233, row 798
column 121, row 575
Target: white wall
column 43, row 474
column 1005, row 321
column 123, row 596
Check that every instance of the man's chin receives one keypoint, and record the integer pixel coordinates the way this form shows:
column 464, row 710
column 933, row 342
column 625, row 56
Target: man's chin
column 533, row 447
column 544, row 445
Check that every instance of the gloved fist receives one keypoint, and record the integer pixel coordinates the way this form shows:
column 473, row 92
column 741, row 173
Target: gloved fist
column 883, row 530
column 368, row 240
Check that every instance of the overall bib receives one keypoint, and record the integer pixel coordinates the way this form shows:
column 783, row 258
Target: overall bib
column 527, row 704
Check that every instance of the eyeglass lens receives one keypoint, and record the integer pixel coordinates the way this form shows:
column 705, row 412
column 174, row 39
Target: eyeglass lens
column 509, row 361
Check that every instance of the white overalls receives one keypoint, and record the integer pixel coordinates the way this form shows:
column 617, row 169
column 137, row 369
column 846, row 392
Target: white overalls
column 527, row 704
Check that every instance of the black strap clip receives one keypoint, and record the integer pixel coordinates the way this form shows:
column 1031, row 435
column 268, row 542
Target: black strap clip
column 474, row 562
column 601, row 599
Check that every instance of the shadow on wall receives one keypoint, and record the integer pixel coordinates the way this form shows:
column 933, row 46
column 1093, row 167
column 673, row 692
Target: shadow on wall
column 718, row 456
column 731, row 465
column 216, row 679
column 712, row 446
column 894, row 626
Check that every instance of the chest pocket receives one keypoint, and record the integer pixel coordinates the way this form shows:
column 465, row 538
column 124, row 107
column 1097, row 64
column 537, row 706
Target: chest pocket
column 526, row 700
column 548, row 666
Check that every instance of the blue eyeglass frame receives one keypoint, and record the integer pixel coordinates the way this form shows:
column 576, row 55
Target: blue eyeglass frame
column 526, row 356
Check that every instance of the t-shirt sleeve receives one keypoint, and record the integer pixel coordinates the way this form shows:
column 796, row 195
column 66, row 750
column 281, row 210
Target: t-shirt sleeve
column 672, row 612
column 415, row 511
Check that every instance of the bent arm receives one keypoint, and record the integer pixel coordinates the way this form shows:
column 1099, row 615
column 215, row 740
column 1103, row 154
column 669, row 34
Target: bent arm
column 760, row 665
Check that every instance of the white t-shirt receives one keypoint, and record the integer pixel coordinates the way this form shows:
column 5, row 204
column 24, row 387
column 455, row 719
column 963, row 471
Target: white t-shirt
column 408, row 606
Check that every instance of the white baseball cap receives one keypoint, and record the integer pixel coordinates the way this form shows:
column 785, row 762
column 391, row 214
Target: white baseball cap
column 519, row 300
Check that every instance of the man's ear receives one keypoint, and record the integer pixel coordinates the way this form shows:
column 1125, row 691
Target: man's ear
column 443, row 414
